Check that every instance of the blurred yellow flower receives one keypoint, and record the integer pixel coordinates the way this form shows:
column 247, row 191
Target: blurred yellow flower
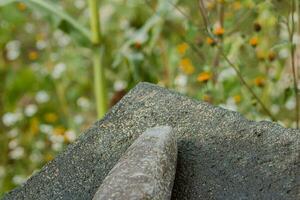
column 259, row 81
column 51, row 117
column 219, row 31
column 237, row 99
column 187, row 66
column 260, row 54
column 182, row 48
column 253, row 41
column 204, row 76
column 21, row 6
column 48, row 157
column 40, row 36
column 211, row 5
column 33, row 55
column 207, row 98
column 34, row 126
column 59, row 130
column 237, row 5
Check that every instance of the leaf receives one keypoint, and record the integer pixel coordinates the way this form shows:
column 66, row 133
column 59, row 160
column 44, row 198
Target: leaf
column 54, row 10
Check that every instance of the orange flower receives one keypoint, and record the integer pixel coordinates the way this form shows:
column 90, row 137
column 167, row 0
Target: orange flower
column 219, row 31
column 259, row 81
column 210, row 41
column 204, row 76
column 253, row 41
column 21, row 6
column 33, row 55
column 138, row 45
column 181, row 48
column 187, row 66
column 237, row 98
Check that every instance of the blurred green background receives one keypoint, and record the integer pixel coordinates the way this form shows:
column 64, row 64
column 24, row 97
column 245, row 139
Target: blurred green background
column 46, row 70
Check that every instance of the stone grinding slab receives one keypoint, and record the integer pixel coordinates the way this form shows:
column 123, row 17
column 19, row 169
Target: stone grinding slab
column 221, row 155
column 146, row 170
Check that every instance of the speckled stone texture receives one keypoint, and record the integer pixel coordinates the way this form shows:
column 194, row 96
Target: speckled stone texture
column 146, row 170
column 221, row 155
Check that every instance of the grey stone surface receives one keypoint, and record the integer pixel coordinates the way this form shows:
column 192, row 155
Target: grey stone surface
column 221, row 155
column 146, row 170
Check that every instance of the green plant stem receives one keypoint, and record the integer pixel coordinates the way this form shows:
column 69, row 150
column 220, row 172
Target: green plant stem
column 292, row 49
column 99, row 70
column 99, row 83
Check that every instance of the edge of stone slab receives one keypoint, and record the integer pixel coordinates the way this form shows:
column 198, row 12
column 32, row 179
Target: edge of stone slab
column 153, row 87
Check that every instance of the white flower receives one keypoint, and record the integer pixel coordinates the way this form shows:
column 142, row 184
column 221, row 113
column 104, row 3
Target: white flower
column 19, row 179
column 230, row 104
column 17, row 153
column 105, row 13
column 78, row 119
column 56, row 146
column 275, row 108
column 42, row 97
column 29, row 28
column 120, row 85
column 226, row 74
column 56, row 138
column 10, row 118
column 41, row 44
column 284, row 53
column 13, row 144
column 290, row 104
column 83, row 102
column 45, row 128
column 30, row 110
column 35, row 157
column 58, row 70
column 40, row 144
column 71, row 136
column 13, row 133
column 181, row 80
column 13, row 49
column 62, row 38
column 79, row 4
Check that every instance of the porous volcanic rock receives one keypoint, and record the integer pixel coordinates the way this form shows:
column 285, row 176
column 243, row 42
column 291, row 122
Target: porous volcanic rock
column 221, row 155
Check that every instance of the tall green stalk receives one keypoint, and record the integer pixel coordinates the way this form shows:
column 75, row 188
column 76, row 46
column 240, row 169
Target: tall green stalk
column 99, row 70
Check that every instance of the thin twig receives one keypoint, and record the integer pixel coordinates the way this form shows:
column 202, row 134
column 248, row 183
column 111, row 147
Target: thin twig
column 239, row 74
column 216, row 60
column 292, row 50
column 205, row 18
